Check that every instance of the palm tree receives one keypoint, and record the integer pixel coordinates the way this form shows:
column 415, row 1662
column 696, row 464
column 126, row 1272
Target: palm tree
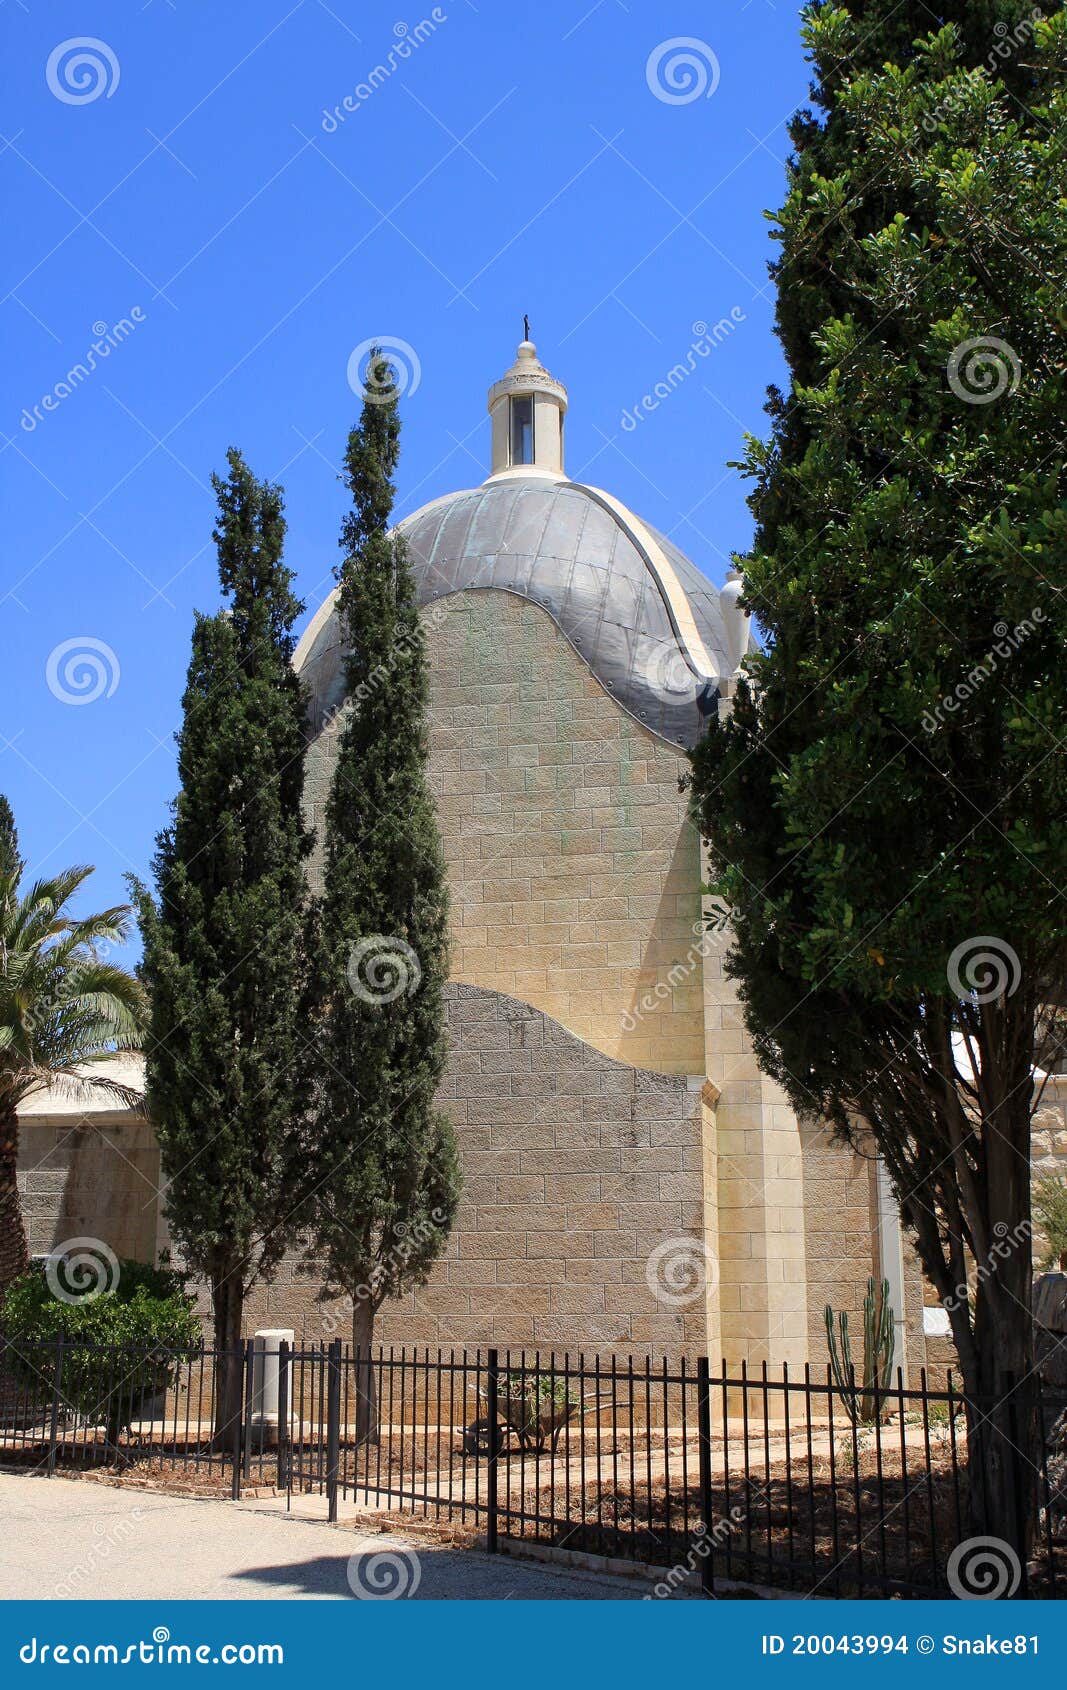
column 64, row 1009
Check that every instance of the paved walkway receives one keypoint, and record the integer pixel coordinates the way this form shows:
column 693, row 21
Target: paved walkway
column 75, row 1538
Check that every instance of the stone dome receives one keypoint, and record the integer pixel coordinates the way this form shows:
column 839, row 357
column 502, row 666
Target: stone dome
column 653, row 629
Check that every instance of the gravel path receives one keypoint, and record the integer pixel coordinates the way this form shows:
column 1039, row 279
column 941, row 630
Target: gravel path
column 72, row 1538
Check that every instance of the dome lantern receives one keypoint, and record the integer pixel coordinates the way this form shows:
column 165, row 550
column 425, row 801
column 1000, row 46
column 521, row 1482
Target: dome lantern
column 527, row 406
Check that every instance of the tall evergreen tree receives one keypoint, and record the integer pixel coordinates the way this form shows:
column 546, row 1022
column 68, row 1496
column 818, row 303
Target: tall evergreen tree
column 386, row 1172
column 887, row 803
column 11, row 864
column 225, row 945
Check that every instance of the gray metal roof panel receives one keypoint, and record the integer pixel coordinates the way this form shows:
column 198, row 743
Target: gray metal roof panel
column 558, row 545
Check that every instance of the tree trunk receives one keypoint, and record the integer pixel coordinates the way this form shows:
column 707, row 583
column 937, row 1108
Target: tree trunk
column 366, row 1387
column 14, row 1255
column 227, row 1300
column 1004, row 1441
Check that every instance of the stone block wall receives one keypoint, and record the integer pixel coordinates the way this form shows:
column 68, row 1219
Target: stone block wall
column 1050, row 1139
column 573, row 867
column 94, row 1175
column 577, row 1168
column 841, row 1246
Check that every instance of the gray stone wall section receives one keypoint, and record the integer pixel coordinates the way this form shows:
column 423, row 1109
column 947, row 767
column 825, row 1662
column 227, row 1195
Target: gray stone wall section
column 576, row 1168
column 90, row 1180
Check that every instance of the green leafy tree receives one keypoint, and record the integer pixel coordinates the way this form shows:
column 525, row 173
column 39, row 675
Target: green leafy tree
column 225, row 952
column 386, row 1172
column 887, row 802
column 65, row 1011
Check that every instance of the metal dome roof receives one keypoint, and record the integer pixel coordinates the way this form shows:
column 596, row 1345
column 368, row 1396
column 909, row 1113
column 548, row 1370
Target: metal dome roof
column 643, row 617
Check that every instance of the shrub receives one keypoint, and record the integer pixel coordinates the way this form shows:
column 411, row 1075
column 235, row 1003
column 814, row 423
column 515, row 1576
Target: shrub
column 119, row 1348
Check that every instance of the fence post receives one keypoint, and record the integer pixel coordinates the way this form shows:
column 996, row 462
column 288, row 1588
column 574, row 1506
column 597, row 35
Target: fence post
column 234, row 1363
column 247, row 1395
column 333, row 1425
column 492, row 1406
column 707, row 1565
column 53, row 1425
column 283, row 1416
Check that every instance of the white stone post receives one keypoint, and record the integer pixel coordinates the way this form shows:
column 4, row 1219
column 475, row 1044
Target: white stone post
column 266, row 1408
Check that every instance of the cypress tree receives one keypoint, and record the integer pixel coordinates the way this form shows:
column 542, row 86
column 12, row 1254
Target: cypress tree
column 386, row 1175
column 225, row 942
column 11, row 864
column 887, row 803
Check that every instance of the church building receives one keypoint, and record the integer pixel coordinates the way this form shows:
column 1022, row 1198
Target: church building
column 633, row 1184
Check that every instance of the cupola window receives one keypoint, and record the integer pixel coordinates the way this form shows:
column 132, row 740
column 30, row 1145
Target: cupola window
column 522, row 441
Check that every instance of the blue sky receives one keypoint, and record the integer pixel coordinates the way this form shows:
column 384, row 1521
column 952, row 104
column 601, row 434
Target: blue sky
column 244, row 241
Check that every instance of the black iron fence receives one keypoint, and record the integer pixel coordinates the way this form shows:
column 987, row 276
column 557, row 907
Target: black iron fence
column 740, row 1475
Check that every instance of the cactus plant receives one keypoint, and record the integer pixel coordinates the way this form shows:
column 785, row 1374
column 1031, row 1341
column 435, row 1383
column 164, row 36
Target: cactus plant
column 879, row 1339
